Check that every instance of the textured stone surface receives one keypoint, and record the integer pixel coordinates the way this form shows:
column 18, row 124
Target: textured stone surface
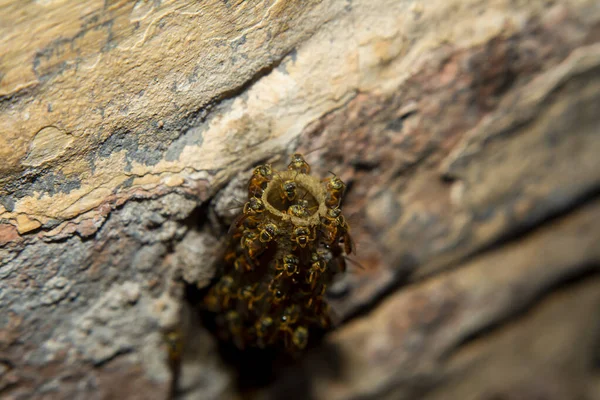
column 468, row 131
column 501, row 325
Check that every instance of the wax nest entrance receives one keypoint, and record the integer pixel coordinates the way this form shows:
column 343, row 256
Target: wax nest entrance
column 283, row 252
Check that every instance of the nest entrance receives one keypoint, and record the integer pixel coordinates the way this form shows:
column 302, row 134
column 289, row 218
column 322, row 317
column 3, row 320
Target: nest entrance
column 308, row 189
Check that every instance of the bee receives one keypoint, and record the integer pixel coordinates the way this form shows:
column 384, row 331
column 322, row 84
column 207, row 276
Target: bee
column 263, row 328
column 330, row 223
column 224, row 289
column 299, row 164
column 261, row 176
column 300, row 337
column 288, row 190
column 336, row 213
column 302, row 235
column 242, row 223
column 301, row 209
column 247, row 294
column 317, row 267
column 344, row 235
column 335, row 191
column 334, row 228
column 230, row 257
column 289, row 265
column 341, row 264
column 320, row 309
column 249, row 219
column 289, row 317
column 212, row 302
column 242, row 264
column 234, row 325
column 251, row 244
column 174, row 341
column 298, row 210
column 254, row 207
column 324, row 319
column 268, row 232
column 349, row 246
column 315, row 296
column 277, row 295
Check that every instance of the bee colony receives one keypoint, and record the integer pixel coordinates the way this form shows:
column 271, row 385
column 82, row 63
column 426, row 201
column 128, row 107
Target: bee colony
column 283, row 252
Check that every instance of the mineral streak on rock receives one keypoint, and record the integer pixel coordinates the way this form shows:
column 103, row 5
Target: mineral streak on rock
column 283, row 253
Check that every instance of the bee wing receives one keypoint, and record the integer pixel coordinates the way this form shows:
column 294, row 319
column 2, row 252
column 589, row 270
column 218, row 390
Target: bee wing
column 236, row 224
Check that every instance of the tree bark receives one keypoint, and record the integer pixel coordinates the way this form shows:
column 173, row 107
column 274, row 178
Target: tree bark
column 468, row 135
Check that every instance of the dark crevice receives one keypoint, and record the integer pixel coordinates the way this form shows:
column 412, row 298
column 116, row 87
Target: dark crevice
column 12, row 98
column 407, row 169
column 364, row 165
column 397, row 124
column 197, row 220
column 259, row 74
column 522, row 229
column 254, row 368
column 296, row 381
column 114, row 356
column 576, row 275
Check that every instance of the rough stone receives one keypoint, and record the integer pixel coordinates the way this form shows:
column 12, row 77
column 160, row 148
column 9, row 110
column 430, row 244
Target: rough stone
column 466, row 130
column 197, row 256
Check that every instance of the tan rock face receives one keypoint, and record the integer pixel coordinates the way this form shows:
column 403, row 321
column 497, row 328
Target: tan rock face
column 47, row 144
column 467, row 132
column 117, row 88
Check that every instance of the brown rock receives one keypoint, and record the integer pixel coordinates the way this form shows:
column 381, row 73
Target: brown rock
column 467, row 132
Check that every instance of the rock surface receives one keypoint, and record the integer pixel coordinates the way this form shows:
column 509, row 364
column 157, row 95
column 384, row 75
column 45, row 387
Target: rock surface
column 467, row 130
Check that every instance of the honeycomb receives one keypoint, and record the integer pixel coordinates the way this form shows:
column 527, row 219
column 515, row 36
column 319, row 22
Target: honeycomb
column 283, row 252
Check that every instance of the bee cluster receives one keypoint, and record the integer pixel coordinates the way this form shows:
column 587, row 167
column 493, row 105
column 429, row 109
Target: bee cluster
column 284, row 251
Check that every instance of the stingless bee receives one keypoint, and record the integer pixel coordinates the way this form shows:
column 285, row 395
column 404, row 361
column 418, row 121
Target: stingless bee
column 254, row 207
column 224, row 289
column 299, row 164
column 302, row 235
column 317, row 267
column 335, row 191
column 248, row 295
column 261, row 176
column 252, row 244
column 250, row 218
column 268, row 232
column 241, row 264
column 289, row 265
column 298, row 210
column 264, row 331
column 300, row 337
column 277, row 295
column 234, row 323
column 288, row 190
column 330, row 223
